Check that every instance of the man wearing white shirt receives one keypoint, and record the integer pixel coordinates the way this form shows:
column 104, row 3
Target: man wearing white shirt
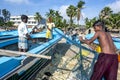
column 23, row 34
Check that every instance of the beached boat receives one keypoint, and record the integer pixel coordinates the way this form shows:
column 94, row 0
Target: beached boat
column 15, row 65
column 83, row 70
column 115, row 40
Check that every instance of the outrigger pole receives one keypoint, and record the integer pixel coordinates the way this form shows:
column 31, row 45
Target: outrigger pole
column 16, row 53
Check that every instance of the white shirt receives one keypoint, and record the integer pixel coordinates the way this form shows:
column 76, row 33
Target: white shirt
column 74, row 32
column 22, row 30
column 50, row 26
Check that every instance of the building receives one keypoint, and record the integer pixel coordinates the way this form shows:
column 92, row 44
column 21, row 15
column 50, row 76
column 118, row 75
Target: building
column 17, row 20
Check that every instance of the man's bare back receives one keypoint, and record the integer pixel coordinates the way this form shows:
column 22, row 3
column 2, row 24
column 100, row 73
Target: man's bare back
column 106, row 42
column 107, row 62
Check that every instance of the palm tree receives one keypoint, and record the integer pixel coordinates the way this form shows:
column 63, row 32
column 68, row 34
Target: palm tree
column 105, row 13
column 51, row 14
column 71, row 12
column 38, row 17
column 65, row 24
column 89, row 22
column 57, row 19
column 79, row 7
column 6, row 15
column 55, row 16
column 114, row 20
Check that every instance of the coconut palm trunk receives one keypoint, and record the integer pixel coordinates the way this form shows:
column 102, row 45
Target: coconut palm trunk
column 78, row 16
column 79, row 7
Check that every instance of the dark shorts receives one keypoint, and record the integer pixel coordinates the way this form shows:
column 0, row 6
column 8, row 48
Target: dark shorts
column 106, row 66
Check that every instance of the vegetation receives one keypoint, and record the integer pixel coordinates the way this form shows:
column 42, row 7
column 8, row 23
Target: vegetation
column 89, row 22
column 38, row 17
column 9, row 24
column 51, row 14
column 5, row 19
column 112, row 20
column 6, row 14
column 57, row 18
column 71, row 12
column 105, row 13
column 1, row 21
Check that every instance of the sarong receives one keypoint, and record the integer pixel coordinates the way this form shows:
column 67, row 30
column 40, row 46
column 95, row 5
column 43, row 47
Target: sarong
column 106, row 67
column 22, row 43
column 49, row 35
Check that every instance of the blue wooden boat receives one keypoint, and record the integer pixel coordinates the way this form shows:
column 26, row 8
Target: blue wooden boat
column 10, row 34
column 115, row 40
column 25, row 67
column 7, row 36
column 6, row 33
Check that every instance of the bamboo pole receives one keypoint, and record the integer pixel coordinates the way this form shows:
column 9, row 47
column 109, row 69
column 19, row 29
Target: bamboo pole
column 16, row 53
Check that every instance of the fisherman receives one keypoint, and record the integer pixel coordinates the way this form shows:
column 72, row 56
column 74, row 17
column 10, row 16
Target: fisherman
column 23, row 34
column 89, row 31
column 50, row 26
column 74, row 34
column 107, row 63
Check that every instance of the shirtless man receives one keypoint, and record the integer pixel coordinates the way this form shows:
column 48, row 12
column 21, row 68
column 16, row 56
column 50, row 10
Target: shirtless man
column 107, row 63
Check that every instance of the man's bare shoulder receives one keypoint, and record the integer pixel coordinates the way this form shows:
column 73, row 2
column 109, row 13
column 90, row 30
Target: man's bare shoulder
column 100, row 32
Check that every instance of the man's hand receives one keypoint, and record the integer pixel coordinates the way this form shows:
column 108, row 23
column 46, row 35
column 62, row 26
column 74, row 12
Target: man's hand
column 28, row 36
column 84, row 40
column 81, row 38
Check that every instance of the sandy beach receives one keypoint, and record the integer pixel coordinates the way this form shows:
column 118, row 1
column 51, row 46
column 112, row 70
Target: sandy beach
column 64, row 62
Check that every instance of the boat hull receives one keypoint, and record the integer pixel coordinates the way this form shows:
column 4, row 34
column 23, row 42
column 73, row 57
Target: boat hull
column 10, row 66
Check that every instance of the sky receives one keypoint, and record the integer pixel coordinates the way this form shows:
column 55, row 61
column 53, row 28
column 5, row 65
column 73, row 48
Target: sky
column 91, row 9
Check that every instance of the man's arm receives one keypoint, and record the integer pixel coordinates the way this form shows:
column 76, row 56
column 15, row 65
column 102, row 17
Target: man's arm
column 90, row 40
column 48, row 28
column 26, row 33
column 53, row 25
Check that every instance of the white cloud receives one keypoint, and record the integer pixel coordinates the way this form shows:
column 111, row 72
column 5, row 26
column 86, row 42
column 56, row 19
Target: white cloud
column 18, row 1
column 83, row 16
column 115, row 6
column 62, row 11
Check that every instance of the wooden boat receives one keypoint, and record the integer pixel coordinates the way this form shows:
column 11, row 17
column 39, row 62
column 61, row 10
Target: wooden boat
column 115, row 40
column 86, row 63
column 18, row 66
